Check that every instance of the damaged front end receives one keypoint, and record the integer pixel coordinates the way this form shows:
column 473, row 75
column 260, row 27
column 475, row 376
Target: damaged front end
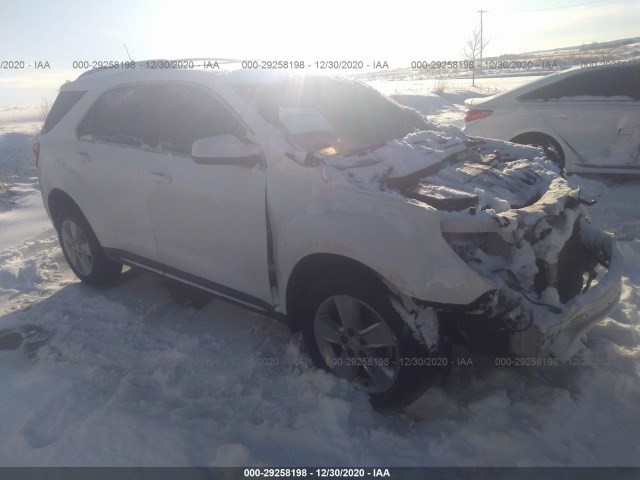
column 520, row 225
column 506, row 210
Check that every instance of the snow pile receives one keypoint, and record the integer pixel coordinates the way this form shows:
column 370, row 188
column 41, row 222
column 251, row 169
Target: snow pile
column 131, row 376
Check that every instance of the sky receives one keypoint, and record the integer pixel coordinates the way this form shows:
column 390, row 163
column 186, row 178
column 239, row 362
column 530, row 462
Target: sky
column 396, row 32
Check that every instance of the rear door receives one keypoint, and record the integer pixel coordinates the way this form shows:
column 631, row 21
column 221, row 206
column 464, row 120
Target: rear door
column 108, row 164
column 208, row 220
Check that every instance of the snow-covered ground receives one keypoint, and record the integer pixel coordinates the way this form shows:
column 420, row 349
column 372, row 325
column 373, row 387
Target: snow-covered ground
column 147, row 373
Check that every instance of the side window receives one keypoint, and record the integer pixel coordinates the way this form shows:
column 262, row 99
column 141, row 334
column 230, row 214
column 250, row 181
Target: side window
column 601, row 82
column 189, row 113
column 86, row 127
column 124, row 115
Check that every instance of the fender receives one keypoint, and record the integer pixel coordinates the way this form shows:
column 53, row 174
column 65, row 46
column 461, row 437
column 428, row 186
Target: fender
column 398, row 238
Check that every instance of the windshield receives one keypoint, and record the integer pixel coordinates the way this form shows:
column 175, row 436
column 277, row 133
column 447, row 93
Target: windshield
column 326, row 112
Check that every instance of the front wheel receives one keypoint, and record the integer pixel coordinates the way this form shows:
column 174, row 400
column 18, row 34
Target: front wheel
column 82, row 249
column 352, row 329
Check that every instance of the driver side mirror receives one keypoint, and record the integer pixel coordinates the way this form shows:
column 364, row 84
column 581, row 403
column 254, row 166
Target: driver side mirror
column 225, row 150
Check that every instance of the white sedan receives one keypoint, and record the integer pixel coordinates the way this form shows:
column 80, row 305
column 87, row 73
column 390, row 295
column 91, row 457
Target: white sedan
column 589, row 118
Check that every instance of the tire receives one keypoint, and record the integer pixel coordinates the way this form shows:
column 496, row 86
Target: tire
column 551, row 148
column 82, row 250
column 341, row 316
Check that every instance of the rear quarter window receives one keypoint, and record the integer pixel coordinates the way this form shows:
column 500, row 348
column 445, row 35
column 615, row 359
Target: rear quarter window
column 63, row 103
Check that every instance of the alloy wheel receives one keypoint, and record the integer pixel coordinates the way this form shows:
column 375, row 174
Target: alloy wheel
column 356, row 343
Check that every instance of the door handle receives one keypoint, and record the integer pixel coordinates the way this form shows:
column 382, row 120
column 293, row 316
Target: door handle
column 83, row 157
column 160, row 177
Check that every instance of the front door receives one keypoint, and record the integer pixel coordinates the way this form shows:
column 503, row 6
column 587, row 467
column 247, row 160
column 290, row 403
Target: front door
column 208, row 220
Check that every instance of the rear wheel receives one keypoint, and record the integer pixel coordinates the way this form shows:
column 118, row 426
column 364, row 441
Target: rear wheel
column 352, row 329
column 82, row 249
column 551, row 147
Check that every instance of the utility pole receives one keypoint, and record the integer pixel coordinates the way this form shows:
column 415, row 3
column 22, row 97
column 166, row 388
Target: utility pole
column 481, row 44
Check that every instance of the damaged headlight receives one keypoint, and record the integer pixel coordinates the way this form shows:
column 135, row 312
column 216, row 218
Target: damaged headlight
column 480, row 247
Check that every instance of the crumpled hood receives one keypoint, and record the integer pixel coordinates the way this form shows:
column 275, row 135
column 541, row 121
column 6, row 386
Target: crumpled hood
column 449, row 171
column 491, row 183
column 400, row 157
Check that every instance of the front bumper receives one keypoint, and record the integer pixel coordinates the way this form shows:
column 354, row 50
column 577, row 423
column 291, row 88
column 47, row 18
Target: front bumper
column 558, row 333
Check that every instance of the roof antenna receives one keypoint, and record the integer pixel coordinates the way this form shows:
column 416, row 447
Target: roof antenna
column 127, row 50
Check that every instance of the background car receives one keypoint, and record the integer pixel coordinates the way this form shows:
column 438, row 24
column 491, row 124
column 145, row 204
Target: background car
column 589, row 118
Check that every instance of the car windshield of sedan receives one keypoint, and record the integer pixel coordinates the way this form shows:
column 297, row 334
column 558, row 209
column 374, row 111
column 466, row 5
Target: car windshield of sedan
column 318, row 113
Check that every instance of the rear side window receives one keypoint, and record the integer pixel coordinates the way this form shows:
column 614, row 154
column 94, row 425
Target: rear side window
column 621, row 81
column 124, row 116
column 63, row 103
column 188, row 113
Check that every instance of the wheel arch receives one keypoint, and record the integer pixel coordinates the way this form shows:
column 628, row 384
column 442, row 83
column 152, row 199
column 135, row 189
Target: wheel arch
column 531, row 133
column 312, row 267
column 58, row 200
column 535, row 135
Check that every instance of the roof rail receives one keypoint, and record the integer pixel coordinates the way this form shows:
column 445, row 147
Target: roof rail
column 144, row 63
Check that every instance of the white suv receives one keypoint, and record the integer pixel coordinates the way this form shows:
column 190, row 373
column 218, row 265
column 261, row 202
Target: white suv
column 314, row 199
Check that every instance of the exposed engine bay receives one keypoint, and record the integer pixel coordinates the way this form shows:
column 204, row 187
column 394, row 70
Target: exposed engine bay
column 510, row 214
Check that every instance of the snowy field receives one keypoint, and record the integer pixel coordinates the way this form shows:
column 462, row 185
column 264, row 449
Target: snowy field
column 148, row 374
